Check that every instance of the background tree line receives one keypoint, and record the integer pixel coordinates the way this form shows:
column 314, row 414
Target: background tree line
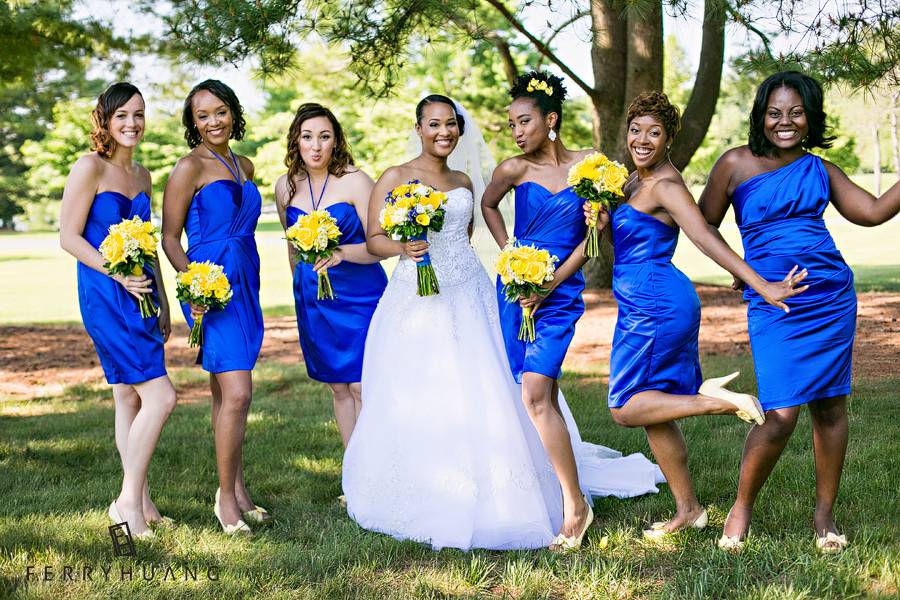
column 370, row 60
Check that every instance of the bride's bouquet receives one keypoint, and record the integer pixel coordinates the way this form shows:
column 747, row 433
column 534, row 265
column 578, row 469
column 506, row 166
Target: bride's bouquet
column 599, row 181
column 314, row 236
column 129, row 246
column 203, row 283
column 524, row 269
column 410, row 211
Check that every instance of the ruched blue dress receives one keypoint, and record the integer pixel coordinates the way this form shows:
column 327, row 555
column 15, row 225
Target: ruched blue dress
column 220, row 223
column 554, row 222
column 655, row 341
column 333, row 332
column 130, row 347
column 806, row 354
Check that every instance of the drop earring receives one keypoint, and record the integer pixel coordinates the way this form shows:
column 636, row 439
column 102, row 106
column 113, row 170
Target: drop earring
column 552, row 135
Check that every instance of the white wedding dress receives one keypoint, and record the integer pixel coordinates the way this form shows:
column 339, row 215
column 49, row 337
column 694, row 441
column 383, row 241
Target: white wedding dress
column 443, row 451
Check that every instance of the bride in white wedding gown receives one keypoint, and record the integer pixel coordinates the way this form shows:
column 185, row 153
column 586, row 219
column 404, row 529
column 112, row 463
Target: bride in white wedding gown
column 443, row 451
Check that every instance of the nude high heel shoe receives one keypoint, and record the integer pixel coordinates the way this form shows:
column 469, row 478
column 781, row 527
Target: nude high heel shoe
column 748, row 407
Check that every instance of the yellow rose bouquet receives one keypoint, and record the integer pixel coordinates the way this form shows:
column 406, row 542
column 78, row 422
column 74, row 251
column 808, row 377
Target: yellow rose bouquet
column 129, row 246
column 523, row 270
column 203, row 283
column 410, row 211
column 599, row 181
column 315, row 236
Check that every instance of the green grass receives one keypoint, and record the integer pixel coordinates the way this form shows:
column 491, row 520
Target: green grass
column 59, row 470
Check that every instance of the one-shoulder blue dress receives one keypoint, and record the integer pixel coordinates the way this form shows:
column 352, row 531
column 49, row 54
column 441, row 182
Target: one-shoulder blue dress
column 806, row 354
column 130, row 347
column 333, row 332
column 655, row 341
column 554, row 222
column 220, row 223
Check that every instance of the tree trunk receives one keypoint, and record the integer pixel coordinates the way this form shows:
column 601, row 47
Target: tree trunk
column 609, row 48
column 895, row 142
column 877, row 157
column 644, row 54
column 702, row 105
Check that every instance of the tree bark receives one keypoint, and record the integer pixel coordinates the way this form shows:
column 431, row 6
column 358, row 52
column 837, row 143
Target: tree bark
column 644, row 54
column 702, row 105
column 609, row 49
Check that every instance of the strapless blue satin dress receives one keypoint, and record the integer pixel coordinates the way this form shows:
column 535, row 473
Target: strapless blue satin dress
column 130, row 347
column 333, row 332
column 806, row 354
column 655, row 341
column 554, row 222
column 219, row 224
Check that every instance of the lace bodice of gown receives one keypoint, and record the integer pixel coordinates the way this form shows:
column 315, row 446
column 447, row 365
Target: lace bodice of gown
column 452, row 256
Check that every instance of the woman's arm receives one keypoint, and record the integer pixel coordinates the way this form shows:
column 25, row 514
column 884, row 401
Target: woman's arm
column 678, row 202
column 856, row 204
column 281, row 203
column 714, row 199
column 176, row 200
column 377, row 241
column 362, row 190
column 504, row 178
column 78, row 195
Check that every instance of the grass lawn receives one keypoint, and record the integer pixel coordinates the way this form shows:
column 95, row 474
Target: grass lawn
column 59, row 470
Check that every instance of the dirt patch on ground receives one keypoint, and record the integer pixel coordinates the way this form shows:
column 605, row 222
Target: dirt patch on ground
column 42, row 360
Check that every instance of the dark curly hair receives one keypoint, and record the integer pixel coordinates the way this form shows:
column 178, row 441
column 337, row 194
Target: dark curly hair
column 340, row 156
column 111, row 100
column 813, row 99
column 440, row 99
column 223, row 93
column 546, row 103
column 657, row 105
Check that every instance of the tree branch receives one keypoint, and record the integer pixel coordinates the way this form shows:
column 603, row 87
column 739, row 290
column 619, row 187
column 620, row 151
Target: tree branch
column 542, row 47
column 742, row 20
column 556, row 31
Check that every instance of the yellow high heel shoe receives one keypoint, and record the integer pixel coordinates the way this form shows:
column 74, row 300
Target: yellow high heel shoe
column 564, row 543
column 113, row 513
column 831, row 543
column 238, row 528
column 748, row 407
column 658, row 531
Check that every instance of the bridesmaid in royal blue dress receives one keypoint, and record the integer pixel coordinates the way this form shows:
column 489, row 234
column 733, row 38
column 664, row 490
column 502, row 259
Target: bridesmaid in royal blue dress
column 321, row 176
column 103, row 188
column 779, row 192
column 211, row 196
column 654, row 370
column 547, row 215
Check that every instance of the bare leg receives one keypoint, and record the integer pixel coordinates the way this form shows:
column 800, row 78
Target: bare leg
column 830, row 430
column 230, row 425
column 668, row 446
column 356, row 391
column 762, row 449
column 656, row 408
column 156, row 399
column 540, row 402
column 344, row 410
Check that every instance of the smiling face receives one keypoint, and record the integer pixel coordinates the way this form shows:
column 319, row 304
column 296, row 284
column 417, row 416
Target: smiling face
column 316, row 142
column 529, row 127
column 438, row 129
column 785, row 124
column 126, row 124
column 212, row 117
column 646, row 141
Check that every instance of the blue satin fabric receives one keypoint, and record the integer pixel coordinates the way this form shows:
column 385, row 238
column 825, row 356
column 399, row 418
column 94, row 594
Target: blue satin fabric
column 333, row 332
column 806, row 354
column 220, row 223
column 130, row 347
column 554, row 222
column 655, row 341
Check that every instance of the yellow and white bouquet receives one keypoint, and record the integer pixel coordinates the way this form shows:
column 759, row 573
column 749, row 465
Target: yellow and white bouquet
column 598, row 180
column 129, row 246
column 523, row 270
column 203, row 283
column 315, row 236
column 410, row 211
